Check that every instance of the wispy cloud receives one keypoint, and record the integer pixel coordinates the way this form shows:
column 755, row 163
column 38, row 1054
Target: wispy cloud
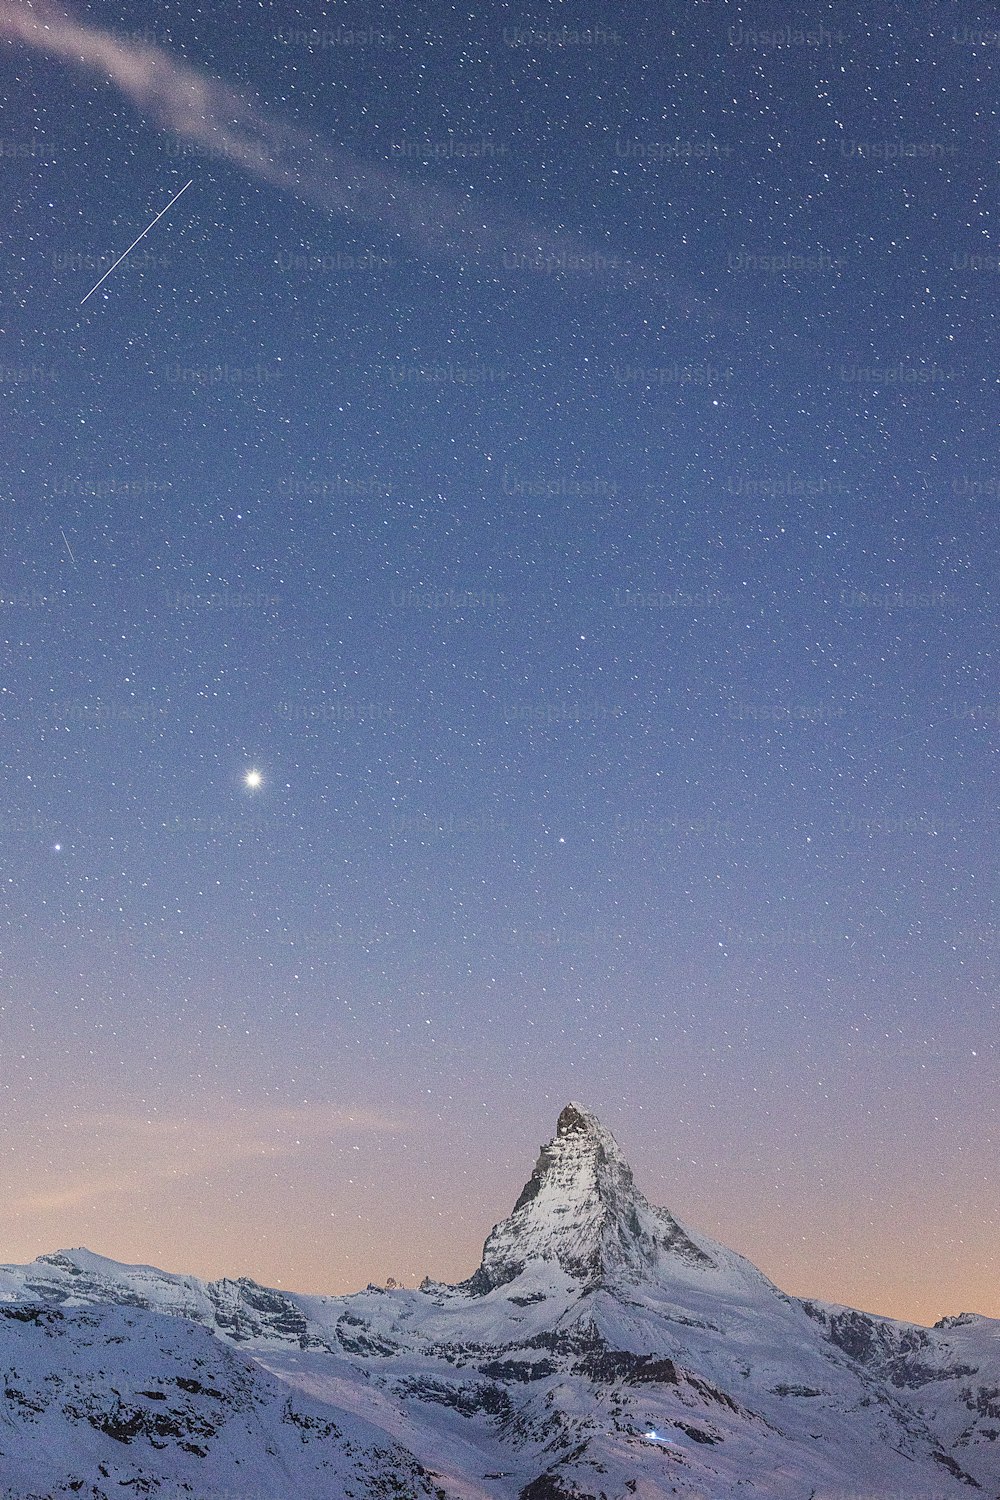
column 93, row 1157
column 203, row 110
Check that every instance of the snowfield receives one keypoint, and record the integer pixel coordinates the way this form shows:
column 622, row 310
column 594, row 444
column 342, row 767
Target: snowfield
column 601, row 1351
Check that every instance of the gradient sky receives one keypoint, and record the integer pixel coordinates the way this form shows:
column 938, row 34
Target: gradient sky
column 564, row 465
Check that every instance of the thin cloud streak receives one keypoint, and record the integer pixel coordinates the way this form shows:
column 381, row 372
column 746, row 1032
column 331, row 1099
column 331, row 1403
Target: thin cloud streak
column 118, row 1153
column 201, row 109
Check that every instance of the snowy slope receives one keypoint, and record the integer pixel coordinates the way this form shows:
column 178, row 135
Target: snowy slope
column 602, row 1349
column 109, row 1400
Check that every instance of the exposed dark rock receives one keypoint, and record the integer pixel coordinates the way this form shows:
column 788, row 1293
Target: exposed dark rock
column 483, row 1398
column 633, row 1369
column 947, row 1462
column 518, row 1369
column 697, row 1434
column 550, row 1486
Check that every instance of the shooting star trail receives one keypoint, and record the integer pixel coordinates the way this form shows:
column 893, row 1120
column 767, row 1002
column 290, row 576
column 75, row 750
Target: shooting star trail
column 131, row 247
column 62, row 533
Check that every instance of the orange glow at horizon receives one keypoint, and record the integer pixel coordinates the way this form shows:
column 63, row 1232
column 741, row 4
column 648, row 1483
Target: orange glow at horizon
column 310, row 1198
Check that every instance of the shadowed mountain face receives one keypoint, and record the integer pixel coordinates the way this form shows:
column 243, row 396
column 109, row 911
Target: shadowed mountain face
column 602, row 1350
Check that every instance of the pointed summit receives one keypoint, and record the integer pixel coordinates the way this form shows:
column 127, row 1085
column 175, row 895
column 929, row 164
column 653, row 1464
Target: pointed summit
column 575, row 1120
column 581, row 1211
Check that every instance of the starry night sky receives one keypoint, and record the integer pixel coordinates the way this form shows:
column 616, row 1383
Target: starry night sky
column 562, row 463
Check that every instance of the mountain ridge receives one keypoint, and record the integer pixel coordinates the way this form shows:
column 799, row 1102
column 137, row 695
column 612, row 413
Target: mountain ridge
column 601, row 1350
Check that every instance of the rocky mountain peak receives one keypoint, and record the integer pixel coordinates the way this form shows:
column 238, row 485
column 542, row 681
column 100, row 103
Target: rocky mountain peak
column 574, row 1120
column 581, row 1211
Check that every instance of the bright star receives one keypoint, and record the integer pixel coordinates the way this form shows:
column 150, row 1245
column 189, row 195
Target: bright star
column 252, row 780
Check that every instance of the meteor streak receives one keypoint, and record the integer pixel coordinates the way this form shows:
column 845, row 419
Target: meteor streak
column 135, row 242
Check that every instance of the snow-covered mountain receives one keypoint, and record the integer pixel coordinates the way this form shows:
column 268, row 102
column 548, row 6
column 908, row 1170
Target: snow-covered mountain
column 602, row 1349
column 112, row 1400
